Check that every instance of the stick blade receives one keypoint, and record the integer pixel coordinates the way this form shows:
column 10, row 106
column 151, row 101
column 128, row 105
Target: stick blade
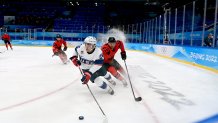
column 105, row 120
column 138, row 99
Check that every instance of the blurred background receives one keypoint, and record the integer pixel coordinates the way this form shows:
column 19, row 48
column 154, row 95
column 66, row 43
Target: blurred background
column 169, row 22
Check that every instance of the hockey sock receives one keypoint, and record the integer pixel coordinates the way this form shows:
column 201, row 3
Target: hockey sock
column 122, row 71
column 98, row 81
column 10, row 46
column 6, row 46
column 107, row 76
column 114, row 72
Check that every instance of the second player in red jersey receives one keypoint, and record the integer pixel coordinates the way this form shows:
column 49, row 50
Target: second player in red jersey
column 7, row 39
column 57, row 48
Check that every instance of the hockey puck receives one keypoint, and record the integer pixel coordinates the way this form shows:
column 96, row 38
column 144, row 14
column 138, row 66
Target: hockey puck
column 81, row 117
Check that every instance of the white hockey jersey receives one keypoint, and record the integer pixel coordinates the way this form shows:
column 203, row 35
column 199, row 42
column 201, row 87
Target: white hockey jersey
column 91, row 62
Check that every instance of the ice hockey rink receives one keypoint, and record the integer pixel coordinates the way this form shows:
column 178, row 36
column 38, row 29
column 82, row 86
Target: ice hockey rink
column 37, row 88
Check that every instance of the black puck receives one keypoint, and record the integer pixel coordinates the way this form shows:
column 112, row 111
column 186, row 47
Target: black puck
column 81, row 117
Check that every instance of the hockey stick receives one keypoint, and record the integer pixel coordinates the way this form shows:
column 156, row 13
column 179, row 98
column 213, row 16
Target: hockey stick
column 138, row 98
column 93, row 95
column 2, row 51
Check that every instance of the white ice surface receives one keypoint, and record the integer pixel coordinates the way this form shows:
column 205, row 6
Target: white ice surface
column 38, row 88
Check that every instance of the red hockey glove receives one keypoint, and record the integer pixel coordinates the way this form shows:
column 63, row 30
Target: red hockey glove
column 75, row 61
column 123, row 55
column 65, row 49
column 86, row 77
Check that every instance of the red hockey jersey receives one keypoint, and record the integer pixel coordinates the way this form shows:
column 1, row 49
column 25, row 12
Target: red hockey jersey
column 109, row 53
column 57, row 45
column 6, row 37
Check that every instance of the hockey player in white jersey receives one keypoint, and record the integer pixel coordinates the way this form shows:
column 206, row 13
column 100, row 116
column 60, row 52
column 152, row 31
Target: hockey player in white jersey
column 90, row 59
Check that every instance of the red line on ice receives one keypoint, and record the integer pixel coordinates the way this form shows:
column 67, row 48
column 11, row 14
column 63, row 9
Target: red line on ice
column 36, row 98
column 148, row 108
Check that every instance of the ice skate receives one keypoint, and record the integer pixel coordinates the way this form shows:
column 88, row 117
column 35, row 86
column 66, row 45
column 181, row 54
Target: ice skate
column 112, row 82
column 65, row 62
column 124, row 83
column 111, row 91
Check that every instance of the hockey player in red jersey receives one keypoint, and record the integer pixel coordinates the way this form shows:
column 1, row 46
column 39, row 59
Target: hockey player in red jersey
column 57, row 50
column 6, row 38
column 109, row 50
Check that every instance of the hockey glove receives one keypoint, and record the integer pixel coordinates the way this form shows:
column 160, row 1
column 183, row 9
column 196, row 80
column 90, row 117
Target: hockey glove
column 86, row 77
column 75, row 61
column 123, row 55
column 65, row 49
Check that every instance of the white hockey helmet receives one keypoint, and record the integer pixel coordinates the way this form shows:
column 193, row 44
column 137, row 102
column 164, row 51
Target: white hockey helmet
column 90, row 40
